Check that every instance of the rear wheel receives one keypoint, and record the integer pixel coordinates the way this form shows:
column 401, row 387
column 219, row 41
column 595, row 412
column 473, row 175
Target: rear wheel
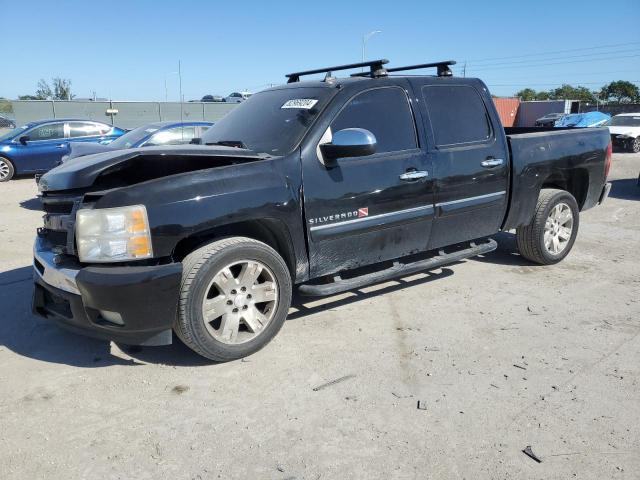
column 635, row 145
column 552, row 231
column 235, row 296
column 6, row 170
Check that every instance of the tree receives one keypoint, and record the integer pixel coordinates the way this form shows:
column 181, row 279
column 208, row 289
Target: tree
column 527, row 94
column 43, row 92
column 62, row 89
column 620, row 92
column 28, row 97
column 568, row 92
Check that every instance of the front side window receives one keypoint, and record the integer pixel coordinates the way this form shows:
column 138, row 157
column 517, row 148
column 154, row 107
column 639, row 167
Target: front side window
column 385, row 112
column 87, row 129
column 50, row 131
column 457, row 113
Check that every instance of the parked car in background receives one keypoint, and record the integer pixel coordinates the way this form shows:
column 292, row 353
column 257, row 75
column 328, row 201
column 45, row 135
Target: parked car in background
column 6, row 123
column 153, row 134
column 39, row 146
column 212, row 98
column 625, row 131
column 549, row 120
column 588, row 119
column 237, row 97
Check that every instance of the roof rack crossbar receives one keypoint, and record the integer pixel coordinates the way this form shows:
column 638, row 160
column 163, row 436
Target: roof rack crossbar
column 443, row 68
column 376, row 69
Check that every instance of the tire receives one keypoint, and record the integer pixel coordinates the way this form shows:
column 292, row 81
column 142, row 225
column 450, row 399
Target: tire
column 634, row 145
column 206, row 276
column 533, row 239
column 7, row 171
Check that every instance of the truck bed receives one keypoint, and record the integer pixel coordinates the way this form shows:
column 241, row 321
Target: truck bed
column 547, row 157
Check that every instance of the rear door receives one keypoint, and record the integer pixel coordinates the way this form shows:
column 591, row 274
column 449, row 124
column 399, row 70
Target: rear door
column 368, row 209
column 470, row 161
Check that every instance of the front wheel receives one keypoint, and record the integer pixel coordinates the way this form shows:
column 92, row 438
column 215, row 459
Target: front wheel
column 635, row 145
column 235, row 296
column 552, row 231
column 6, row 170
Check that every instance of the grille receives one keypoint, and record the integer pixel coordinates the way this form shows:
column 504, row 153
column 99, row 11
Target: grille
column 59, row 221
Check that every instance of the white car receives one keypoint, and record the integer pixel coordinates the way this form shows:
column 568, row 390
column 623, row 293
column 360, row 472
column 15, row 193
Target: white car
column 237, row 97
column 625, row 131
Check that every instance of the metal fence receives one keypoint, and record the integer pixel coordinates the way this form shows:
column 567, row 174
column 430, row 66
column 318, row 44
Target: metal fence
column 129, row 114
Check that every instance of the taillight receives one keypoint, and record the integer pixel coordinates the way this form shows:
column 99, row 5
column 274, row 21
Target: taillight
column 607, row 160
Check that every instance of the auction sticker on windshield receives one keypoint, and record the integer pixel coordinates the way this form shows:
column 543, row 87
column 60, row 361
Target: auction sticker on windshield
column 303, row 103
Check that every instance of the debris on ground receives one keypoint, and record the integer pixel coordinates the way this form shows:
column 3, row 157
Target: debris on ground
column 422, row 405
column 529, row 453
column 333, row 382
column 519, row 366
column 180, row 389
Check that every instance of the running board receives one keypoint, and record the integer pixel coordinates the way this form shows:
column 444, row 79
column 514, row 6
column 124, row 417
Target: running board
column 398, row 270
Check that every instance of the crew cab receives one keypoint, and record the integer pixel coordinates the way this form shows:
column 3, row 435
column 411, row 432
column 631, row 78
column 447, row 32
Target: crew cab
column 323, row 186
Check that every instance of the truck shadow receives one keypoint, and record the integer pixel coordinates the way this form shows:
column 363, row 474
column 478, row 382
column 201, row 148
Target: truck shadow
column 506, row 253
column 625, row 189
column 30, row 336
column 32, row 204
column 37, row 338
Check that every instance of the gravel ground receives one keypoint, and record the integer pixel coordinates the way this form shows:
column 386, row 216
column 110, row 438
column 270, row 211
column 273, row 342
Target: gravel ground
column 500, row 354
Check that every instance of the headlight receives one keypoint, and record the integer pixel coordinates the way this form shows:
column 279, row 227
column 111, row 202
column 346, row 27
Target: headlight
column 113, row 234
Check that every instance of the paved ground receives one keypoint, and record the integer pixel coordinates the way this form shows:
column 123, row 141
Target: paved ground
column 502, row 353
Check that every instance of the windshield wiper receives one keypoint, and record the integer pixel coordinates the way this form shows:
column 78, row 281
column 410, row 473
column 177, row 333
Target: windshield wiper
column 230, row 143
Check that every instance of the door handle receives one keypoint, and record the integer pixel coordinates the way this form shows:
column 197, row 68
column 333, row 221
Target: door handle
column 492, row 162
column 62, row 145
column 414, row 175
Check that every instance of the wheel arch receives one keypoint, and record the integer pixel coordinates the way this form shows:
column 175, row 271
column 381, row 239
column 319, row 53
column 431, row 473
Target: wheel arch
column 271, row 231
column 574, row 181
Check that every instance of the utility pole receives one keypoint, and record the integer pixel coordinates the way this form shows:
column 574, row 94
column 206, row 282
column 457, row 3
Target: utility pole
column 464, row 69
column 365, row 39
column 180, row 79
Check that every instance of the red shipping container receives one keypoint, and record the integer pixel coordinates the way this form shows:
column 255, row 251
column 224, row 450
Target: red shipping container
column 507, row 109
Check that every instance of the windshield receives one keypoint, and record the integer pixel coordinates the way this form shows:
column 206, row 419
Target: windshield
column 271, row 122
column 624, row 121
column 131, row 138
column 13, row 133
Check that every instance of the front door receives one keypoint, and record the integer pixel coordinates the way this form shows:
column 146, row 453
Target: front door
column 470, row 163
column 44, row 149
column 364, row 210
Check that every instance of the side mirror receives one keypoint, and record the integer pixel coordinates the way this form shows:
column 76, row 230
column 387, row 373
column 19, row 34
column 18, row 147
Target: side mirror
column 350, row 142
column 24, row 139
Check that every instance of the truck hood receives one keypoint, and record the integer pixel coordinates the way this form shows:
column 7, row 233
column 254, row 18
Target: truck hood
column 627, row 131
column 140, row 164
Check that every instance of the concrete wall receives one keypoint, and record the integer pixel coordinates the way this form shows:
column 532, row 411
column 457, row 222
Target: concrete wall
column 130, row 114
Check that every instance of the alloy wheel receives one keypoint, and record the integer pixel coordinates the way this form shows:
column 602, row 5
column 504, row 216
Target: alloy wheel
column 4, row 169
column 240, row 302
column 558, row 228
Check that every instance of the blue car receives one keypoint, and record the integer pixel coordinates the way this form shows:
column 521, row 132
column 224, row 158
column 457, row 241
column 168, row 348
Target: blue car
column 152, row 134
column 39, row 146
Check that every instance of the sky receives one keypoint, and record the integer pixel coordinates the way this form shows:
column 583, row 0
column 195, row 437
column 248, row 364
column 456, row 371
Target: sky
column 127, row 50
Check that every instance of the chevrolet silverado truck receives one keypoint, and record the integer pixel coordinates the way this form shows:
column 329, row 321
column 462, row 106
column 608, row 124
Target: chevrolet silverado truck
column 321, row 186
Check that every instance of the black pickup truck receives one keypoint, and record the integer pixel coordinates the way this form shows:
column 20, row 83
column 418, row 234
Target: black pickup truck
column 325, row 185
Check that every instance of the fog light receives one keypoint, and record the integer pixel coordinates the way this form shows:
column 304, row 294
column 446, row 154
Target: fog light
column 112, row 317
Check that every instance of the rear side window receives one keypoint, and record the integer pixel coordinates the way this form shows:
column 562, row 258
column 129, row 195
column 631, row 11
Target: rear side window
column 457, row 114
column 87, row 129
column 384, row 112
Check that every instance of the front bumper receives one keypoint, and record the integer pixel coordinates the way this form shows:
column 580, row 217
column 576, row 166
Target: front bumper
column 134, row 305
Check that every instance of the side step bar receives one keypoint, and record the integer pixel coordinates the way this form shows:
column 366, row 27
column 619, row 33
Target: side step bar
column 398, row 270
